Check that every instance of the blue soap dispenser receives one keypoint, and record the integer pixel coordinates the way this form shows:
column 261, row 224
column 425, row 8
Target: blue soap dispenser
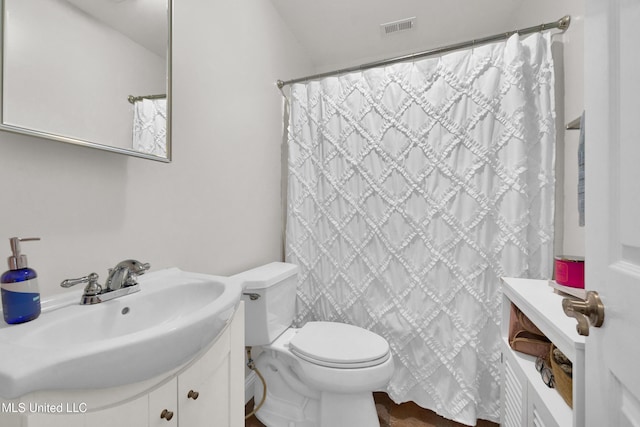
column 20, row 293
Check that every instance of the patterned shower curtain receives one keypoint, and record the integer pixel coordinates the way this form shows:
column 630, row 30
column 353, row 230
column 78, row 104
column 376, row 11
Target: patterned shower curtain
column 412, row 189
column 150, row 126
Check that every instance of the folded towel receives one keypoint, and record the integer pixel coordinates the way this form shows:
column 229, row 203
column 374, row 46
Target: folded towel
column 581, row 173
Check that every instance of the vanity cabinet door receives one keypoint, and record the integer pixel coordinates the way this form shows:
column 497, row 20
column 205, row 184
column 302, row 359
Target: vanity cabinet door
column 203, row 389
column 211, row 391
column 163, row 405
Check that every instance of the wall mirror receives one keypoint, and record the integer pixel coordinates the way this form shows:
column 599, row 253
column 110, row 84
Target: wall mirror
column 95, row 73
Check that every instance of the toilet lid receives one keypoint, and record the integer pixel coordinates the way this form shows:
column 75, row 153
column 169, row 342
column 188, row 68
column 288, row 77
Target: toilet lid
column 339, row 345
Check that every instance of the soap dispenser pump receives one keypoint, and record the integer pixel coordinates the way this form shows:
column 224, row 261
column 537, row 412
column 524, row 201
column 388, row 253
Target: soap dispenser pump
column 20, row 292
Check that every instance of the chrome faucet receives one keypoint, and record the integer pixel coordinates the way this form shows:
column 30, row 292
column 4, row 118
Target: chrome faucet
column 124, row 274
column 120, row 281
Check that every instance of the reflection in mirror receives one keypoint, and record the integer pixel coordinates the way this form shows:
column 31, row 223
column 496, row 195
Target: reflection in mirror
column 90, row 72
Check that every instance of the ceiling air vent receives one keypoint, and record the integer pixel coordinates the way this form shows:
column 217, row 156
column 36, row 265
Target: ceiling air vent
column 398, row 26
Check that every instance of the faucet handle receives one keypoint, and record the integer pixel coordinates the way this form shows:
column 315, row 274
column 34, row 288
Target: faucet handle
column 92, row 288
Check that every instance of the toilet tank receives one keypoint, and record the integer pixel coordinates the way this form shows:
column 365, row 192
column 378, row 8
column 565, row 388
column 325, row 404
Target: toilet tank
column 269, row 295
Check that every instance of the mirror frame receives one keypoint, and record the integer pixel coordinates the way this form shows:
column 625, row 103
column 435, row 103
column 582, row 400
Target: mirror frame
column 84, row 143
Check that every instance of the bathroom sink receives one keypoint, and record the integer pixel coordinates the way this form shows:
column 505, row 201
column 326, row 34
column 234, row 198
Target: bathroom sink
column 167, row 323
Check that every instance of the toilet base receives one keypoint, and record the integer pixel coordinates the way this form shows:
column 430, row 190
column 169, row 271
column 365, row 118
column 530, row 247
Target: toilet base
column 302, row 407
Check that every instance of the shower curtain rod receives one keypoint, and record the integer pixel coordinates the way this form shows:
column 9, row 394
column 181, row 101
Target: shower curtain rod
column 562, row 24
column 133, row 99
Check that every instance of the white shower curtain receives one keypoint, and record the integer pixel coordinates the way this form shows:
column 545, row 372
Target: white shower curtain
column 411, row 190
column 150, row 126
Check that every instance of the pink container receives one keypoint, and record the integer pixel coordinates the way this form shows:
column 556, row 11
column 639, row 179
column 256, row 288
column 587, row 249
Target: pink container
column 570, row 271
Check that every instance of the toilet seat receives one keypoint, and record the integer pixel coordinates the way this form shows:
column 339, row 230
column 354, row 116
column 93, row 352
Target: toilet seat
column 339, row 345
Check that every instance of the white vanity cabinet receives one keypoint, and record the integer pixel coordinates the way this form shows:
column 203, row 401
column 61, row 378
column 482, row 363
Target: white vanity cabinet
column 208, row 391
column 525, row 399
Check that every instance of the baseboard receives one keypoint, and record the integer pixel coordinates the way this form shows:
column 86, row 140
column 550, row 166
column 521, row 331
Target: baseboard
column 249, row 384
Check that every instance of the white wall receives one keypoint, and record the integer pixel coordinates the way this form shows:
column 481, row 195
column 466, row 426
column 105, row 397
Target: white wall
column 215, row 208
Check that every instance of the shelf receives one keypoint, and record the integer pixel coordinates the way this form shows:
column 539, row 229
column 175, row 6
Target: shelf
column 562, row 413
column 543, row 307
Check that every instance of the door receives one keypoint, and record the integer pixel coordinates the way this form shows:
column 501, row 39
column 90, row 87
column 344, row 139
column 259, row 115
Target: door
column 612, row 157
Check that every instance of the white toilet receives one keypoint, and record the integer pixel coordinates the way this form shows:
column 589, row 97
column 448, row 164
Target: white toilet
column 320, row 375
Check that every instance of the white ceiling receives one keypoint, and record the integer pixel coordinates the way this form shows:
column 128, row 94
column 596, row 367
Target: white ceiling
column 339, row 33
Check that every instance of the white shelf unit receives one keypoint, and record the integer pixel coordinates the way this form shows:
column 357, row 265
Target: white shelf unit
column 526, row 400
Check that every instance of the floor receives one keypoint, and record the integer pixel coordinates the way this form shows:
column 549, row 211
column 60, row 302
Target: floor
column 392, row 415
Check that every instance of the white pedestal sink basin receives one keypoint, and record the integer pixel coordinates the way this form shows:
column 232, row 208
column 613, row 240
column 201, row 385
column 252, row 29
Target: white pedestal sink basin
column 128, row 339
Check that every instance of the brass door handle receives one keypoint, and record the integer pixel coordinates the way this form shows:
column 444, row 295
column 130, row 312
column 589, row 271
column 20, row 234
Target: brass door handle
column 589, row 311
column 193, row 394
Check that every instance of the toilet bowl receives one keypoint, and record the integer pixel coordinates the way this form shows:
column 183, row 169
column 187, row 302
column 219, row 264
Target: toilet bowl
column 320, row 375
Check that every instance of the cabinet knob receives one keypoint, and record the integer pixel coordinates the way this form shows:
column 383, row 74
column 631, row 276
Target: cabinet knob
column 589, row 311
column 166, row 414
column 193, row 394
